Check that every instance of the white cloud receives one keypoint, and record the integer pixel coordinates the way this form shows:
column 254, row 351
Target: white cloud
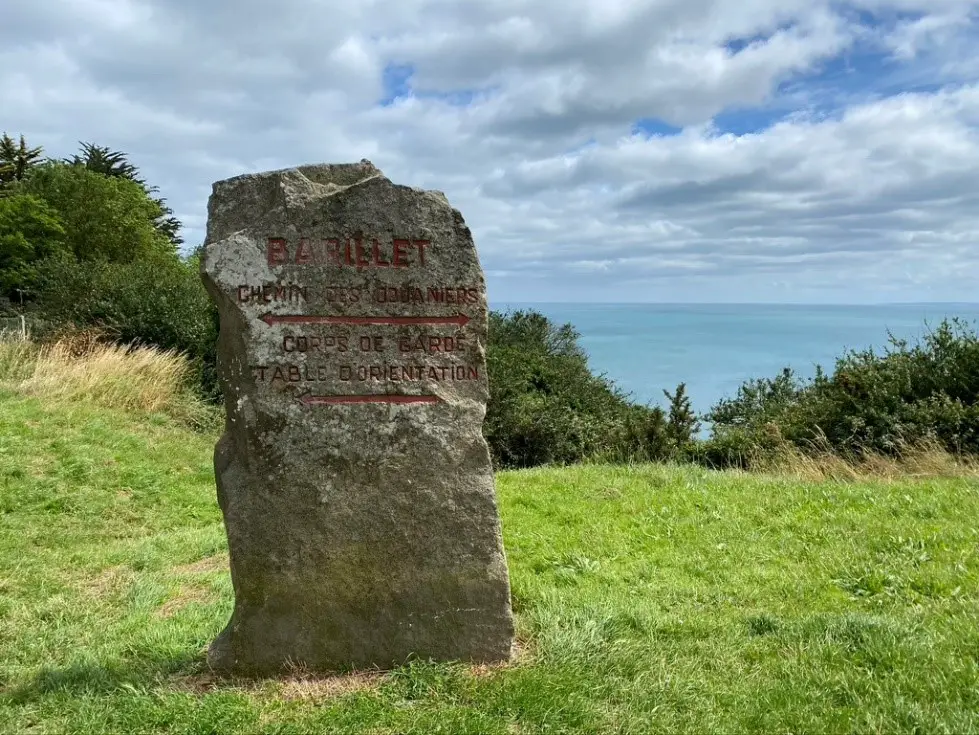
column 912, row 37
column 523, row 114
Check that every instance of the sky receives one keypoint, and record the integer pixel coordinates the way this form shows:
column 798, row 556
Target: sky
column 765, row 151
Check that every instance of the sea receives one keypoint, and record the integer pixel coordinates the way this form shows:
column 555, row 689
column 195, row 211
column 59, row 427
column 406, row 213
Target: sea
column 713, row 348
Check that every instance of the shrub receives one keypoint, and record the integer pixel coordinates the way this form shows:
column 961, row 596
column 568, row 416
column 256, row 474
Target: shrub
column 30, row 231
column 682, row 424
column 872, row 403
column 159, row 302
column 758, row 400
column 546, row 406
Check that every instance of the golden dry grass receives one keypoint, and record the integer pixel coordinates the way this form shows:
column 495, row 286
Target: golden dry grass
column 306, row 687
column 83, row 367
column 921, row 460
column 17, row 358
column 107, row 584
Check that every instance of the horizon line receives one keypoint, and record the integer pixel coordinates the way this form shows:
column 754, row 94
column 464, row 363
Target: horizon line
column 742, row 303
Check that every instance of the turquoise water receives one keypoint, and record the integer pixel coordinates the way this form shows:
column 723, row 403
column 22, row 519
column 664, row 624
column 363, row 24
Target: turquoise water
column 713, row 348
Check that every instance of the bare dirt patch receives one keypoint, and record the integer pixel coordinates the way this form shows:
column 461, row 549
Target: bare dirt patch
column 185, row 596
column 311, row 688
column 216, row 563
column 298, row 687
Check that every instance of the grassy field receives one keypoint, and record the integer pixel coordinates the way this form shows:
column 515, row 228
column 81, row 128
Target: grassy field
column 648, row 599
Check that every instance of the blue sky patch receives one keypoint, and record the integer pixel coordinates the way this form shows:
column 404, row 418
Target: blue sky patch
column 737, row 45
column 397, row 80
column 651, row 127
column 397, row 83
column 456, row 98
column 746, row 121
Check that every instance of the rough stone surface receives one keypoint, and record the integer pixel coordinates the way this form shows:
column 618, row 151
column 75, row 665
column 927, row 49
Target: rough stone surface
column 353, row 475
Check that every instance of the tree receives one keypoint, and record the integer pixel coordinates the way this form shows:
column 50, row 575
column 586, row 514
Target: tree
column 30, row 230
column 16, row 159
column 682, row 423
column 115, row 164
column 103, row 161
column 104, row 218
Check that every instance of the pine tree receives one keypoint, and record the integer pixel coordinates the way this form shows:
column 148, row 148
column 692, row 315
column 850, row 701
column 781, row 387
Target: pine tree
column 102, row 160
column 16, row 159
column 107, row 162
column 682, row 423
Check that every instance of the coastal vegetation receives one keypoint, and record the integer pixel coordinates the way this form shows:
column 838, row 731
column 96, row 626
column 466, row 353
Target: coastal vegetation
column 890, row 403
column 86, row 245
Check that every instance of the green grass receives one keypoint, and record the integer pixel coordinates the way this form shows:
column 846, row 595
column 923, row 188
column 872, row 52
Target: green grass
column 648, row 599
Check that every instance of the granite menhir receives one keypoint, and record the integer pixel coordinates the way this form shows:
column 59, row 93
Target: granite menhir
column 353, row 474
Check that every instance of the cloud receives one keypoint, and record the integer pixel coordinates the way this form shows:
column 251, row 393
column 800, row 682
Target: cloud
column 613, row 150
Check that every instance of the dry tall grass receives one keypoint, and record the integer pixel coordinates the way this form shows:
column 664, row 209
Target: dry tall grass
column 17, row 358
column 83, row 367
column 924, row 459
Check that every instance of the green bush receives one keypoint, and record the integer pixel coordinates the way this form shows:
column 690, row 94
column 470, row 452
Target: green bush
column 872, row 402
column 158, row 301
column 30, row 231
column 547, row 407
column 738, row 447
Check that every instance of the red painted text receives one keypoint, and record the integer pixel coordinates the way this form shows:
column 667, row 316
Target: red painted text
column 353, row 252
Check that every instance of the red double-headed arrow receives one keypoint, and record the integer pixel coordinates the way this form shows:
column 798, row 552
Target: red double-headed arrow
column 366, row 398
column 459, row 320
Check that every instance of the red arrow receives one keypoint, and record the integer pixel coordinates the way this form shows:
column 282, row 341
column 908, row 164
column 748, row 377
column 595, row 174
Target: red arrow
column 369, row 398
column 460, row 320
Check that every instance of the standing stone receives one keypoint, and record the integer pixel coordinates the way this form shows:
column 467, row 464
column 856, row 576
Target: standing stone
column 353, row 475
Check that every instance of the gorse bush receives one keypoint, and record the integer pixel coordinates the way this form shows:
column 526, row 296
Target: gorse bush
column 546, row 406
column 873, row 402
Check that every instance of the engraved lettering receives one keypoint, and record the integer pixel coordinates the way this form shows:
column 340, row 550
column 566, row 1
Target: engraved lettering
column 277, row 252
column 378, row 260
column 304, row 253
column 421, row 245
column 400, row 251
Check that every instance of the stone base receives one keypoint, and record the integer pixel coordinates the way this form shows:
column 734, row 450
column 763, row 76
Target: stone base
column 420, row 574
column 241, row 651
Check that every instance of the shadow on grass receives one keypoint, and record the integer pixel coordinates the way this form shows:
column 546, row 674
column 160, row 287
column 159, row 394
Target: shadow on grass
column 139, row 673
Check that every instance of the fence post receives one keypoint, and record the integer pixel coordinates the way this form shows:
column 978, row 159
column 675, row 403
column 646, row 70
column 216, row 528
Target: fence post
column 23, row 327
